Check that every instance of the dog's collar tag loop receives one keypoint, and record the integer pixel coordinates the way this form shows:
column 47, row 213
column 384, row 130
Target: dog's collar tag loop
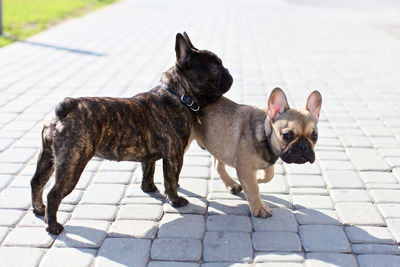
column 189, row 102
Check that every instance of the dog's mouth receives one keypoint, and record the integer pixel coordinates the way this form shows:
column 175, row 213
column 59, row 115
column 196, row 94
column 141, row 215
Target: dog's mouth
column 300, row 153
column 224, row 82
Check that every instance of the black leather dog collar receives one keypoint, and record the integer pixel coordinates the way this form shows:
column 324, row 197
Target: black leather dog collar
column 189, row 102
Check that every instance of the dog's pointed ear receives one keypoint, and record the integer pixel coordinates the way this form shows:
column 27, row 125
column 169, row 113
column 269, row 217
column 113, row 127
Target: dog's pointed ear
column 277, row 103
column 183, row 52
column 314, row 103
column 186, row 36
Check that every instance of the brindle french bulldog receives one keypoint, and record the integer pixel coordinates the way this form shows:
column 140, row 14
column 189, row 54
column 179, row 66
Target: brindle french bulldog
column 147, row 127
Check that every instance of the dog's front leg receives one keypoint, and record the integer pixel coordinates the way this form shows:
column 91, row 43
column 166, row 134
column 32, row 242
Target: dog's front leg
column 148, row 177
column 247, row 178
column 172, row 169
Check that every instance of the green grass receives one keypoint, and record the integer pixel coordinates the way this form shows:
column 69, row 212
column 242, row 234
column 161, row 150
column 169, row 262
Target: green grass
column 23, row 18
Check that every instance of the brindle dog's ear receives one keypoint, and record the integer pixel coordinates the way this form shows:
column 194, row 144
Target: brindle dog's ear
column 314, row 103
column 277, row 103
column 186, row 36
column 183, row 52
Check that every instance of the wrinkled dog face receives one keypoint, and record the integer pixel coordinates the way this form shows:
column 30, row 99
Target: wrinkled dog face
column 202, row 69
column 295, row 131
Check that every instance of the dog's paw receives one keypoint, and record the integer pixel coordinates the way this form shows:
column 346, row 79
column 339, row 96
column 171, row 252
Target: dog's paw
column 261, row 210
column 39, row 210
column 149, row 187
column 179, row 202
column 235, row 189
column 55, row 229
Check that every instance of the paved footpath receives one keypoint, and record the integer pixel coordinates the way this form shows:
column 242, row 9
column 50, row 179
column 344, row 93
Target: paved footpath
column 342, row 210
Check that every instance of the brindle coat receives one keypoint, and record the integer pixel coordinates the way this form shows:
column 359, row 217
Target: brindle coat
column 147, row 127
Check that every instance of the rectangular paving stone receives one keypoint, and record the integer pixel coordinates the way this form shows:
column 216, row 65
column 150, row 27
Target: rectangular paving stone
column 195, row 206
column 378, row 177
column 350, row 195
column 5, row 179
column 312, row 202
column 123, row 252
column 10, row 217
column 317, row 216
column 227, row 247
column 10, row 168
column 110, row 194
column 112, row 177
column 278, row 257
column 181, row 226
column 306, row 168
column 32, row 220
column 389, row 210
column 394, row 227
column 336, row 165
column 385, row 196
column 81, row 257
column 193, row 187
column 359, row 213
column 375, row 249
column 281, row 220
column 366, row 159
column 95, row 212
column 134, row 190
column 82, row 234
column 172, row 264
column 143, row 200
column 369, row 234
column 15, row 198
column 133, row 228
column 17, row 155
column 373, row 260
column 228, row 207
column 309, row 191
column 332, row 155
column 20, row 256
column 324, row 238
column 3, row 232
column 343, row 179
column 176, row 249
column 277, row 185
column 140, row 212
column 317, row 259
column 229, row 223
column 276, row 241
column 277, row 200
column 306, row 181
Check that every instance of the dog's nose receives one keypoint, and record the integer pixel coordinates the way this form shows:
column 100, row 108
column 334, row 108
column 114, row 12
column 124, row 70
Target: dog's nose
column 302, row 147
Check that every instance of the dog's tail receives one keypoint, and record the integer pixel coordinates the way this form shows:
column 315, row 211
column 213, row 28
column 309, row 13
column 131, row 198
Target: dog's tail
column 65, row 107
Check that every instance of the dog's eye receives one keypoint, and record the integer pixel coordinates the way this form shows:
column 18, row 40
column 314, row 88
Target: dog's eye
column 288, row 136
column 216, row 68
column 314, row 137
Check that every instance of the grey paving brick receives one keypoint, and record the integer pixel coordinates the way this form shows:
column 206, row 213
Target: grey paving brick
column 10, row 217
column 369, row 234
column 316, row 259
column 324, row 238
column 389, row 210
column 350, row 195
column 355, row 141
column 82, row 234
column 20, row 256
column 227, row 247
column 279, row 264
column 81, row 257
column 281, row 220
column 394, row 227
column 193, row 187
column 278, row 257
column 195, row 206
column 309, row 191
column 276, row 241
column 5, row 179
column 378, row 177
column 336, row 165
column 277, row 200
column 103, row 194
column 140, row 212
column 197, row 160
column 375, row 249
column 142, row 200
column 176, row 249
column 133, row 228
column 229, row 223
column 182, row 226
column 393, row 161
column 17, row 155
column 378, row 260
column 114, row 177
column 3, row 232
column 225, row 264
column 95, row 212
column 110, row 166
column 315, row 216
column 342, row 179
column 15, row 198
column 32, row 220
column 228, row 207
column 172, row 264
column 312, row 202
column 306, row 168
column 277, row 185
column 359, row 213
column 332, row 155
column 306, row 181
column 123, row 252
column 385, row 196
column 366, row 159
column 134, row 190
column 10, row 168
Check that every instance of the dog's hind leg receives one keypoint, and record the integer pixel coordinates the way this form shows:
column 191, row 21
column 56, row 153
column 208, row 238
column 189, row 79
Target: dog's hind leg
column 172, row 168
column 69, row 168
column 265, row 175
column 44, row 170
column 148, row 177
column 229, row 182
